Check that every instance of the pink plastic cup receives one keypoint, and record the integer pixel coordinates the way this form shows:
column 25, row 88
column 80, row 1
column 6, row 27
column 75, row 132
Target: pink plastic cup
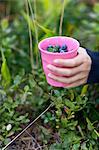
column 49, row 57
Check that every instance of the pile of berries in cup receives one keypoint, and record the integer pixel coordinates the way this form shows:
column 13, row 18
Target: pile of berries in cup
column 57, row 48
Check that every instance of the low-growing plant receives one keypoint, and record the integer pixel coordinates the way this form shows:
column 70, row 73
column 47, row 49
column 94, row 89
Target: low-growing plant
column 72, row 121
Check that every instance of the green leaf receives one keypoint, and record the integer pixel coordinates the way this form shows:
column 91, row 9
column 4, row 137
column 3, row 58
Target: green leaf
column 89, row 125
column 32, row 22
column 7, row 140
column 56, row 146
column 1, row 138
column 70, row 104
column 96, row 133
column 44, row 28
column 76, row 146
column 84, row 146
column 84, row 90
column 71, row 94
column 46, row 120
column 10, row 134
column 57, row 93
column 96, row 8
column 64, row 122
column 59, row 112
column 90, row 147
column 26, row 88
column 17, row 80
column 5, row 74
column 4, row 24
column 69, row 138
column 22, row 117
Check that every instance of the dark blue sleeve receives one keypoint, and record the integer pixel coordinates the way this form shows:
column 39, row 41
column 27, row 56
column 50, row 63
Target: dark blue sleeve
column 94, row 72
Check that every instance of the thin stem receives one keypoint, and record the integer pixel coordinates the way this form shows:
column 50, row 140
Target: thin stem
column 35, row 16
column 35, row 28
column 36, row 32
column 34, row 140
column 61, row 18
column 30, row 36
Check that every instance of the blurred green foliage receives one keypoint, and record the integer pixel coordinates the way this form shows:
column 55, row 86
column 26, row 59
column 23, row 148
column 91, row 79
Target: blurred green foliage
column 24, row 92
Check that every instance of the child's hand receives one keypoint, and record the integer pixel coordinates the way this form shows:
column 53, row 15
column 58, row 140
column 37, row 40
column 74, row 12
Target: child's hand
column 75, row 71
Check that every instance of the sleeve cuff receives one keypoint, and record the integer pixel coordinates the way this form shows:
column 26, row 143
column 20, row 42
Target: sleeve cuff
column 94, row 72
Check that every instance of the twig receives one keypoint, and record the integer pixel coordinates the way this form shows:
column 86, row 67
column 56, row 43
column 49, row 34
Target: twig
column 29, row 145
column 34, row 139
column 28, row 126
column 61, row 18
column 41, row 147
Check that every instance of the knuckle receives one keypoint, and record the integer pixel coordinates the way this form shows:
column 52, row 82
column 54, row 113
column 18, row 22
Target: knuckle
column 87, row 63
column 86, row 66
column 55, row 69
column 85, row 59
column 69, row 72
column 56, row 79
column 68, row 81
column 61, row 80
column 73, row 63
column 83, row 81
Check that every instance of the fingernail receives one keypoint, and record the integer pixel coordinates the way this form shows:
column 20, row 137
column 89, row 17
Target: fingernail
column 49, row 66
column 55, row 61
column 49, row 75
